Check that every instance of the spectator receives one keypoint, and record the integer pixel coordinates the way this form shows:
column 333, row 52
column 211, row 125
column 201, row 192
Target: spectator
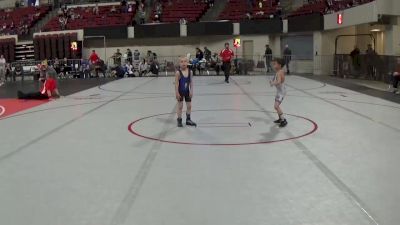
column 113, row 9
column 369, row 60
column 396, row 77
column 64, row 10
column 49, row 89
column 355, row 58
column 211, row 3
column 56, row 65
column 18, row 71
column 249, row 15
column 9, row 72
column 287, row 56
column 134, row 58
column 150, row 56
column 124, row 6
column 2, row 70
column 143, row 67
column 64, row 68
column 268, row 58
column 94, row 58
column 250, row 4
column 182, row 21
column 226, row 55
column 84, row 68
column 142, row 15
column 216, row 63
column 96, row 9
column 129, row 55
column 117, row 58
column 158, row 8
column 199, row 54
column 129, row 69
column 156, row 19
column 207, row 54
column 63, row 22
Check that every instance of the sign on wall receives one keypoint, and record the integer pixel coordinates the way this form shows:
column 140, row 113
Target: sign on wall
column 236, row 42
column 339, row 18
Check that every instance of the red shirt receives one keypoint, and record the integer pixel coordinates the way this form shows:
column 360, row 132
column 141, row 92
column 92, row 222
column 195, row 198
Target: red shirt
column 49, row 85
column 94, row 58
column 226, row 55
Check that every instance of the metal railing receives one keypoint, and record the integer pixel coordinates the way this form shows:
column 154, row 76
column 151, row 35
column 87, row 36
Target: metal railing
column 242, row 64
column 373, row 67
column 161, row 66
column 377, row 67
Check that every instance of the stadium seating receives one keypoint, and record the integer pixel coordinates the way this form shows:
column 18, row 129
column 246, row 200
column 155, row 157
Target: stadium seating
column 13, row 21
column 236, row 10
column 323, row 6
column 174, row 10
column 90, row 20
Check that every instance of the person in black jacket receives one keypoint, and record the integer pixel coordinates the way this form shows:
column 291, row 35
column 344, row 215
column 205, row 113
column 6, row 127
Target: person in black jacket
column 268, row 58
column 199, row 54
column 287, row 56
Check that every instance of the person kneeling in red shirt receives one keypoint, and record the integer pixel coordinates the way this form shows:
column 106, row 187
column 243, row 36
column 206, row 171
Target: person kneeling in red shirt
column 49, row 90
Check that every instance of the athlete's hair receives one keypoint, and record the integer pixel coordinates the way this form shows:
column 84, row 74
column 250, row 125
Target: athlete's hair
column 280, row 61
column 183, row 57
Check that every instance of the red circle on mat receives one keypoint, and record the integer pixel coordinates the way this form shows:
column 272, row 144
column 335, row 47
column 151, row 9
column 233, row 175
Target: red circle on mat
column 2, row 110
column 132, row 130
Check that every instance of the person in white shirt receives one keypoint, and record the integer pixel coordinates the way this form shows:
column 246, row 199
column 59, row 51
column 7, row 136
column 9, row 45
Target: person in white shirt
column 143, row 67
column 2, row 70
column 129, row 69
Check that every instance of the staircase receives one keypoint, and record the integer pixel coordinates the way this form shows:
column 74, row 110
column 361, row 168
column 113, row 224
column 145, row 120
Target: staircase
column 24, row 50
column 213, row 13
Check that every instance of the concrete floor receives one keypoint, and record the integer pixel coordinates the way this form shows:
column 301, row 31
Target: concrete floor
column 112, row 155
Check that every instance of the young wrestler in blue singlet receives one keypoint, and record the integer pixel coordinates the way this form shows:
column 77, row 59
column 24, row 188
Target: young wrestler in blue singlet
column 184, row 91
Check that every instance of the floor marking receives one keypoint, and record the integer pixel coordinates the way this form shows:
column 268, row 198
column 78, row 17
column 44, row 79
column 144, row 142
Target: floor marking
column 132, row 129
column 324, row 169
column 219, row 126
column 58, row 128
column 2, row 110
column 347, row 109
column 125, row 206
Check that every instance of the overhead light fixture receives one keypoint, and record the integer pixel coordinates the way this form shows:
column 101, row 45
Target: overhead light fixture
column 376, row 30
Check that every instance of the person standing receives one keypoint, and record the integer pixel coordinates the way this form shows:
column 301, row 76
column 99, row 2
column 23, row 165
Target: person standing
column 129, row 55
column 287, row 57
column 369, row 58
column 279, row 82
column 2, row 70
column 355, row 58
column 226, row 56
column 268, row 58
column 396, row 78
column 184, row 91
column 94, row 58
column 207, row 54
column 117, row 58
